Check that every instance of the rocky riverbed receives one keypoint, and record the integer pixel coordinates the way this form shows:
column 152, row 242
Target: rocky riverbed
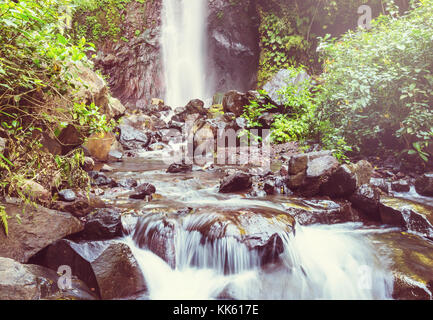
column 240, row 227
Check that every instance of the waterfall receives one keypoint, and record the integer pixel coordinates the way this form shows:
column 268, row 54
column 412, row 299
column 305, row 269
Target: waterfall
column 184, row 50
column 319, row 262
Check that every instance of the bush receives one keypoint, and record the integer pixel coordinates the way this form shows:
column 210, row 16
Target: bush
column 377, row 83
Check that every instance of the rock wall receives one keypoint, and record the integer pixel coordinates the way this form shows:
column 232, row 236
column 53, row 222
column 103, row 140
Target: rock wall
column 233, row 44
column 133, row 63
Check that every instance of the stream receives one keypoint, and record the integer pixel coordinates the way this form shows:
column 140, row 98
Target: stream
column 339, row 261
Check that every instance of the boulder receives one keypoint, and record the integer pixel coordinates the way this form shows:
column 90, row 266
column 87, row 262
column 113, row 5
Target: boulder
column 118, row 273
column 127, row 183
column 408, row 215
column 145, row 189
column 424, row 184
column 99, row 145
column 280, row 81
column 70, row 138
column 315, row 211
column 341, row 183
column 132, row 138
column 100, row 179
column 320, row 167
column 382, row 184
column 35, row 191
column 235, row 102
column 239, row 181
column 367, row 199
column 39, row 227
column 104, row 224
column 81, row 206
column 400, row 186
column 109, row 269
column 33, row 282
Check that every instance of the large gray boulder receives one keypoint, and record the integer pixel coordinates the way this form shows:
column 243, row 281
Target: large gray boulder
column 280, row 81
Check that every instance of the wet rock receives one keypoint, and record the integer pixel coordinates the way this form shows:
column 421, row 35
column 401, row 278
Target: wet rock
column 424, row 184
column 127, row 183
column 239, row 181
column 309, row 212
column 67, row 195
column 39, row 227
column 235, row 102
column 32, row 282
column 104, row 224
column 296, row 181
column 145, row 189
column 400, row 186
column 132, row 138
column 367, row 199
column 81, row 206
column 88, row 164
column 382, row 184
column 100, row 179
column 298, row 163
column 196, row 106
column 269, row 187
column 410, row 258
column 407, row 215
column 106, row 168
column 179, row 168
column 117, row 272
column 114, row 156
column 157, row 234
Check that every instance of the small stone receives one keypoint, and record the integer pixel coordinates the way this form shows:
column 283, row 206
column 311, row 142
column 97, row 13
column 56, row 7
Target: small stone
column 115, row 156
column 67, row 195
column 145, row 189
column 400, row 186
column 88, row 164
column 239, row 181
column 106, row 168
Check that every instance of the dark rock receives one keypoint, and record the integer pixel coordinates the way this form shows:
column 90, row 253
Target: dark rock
column 239, row 181
column 424, row 184
column 88, row 164
column 39, row 227
column 400, row 186
column 70, row 138
column 381, row 184
column 296, row 181
column 269, row 187
column 298, row 163
column 407, row 215
column 117, row 272
column 266, row 120
column 341, row 183
column 100, row 179
column 158, row 237
column 179, row 168
column 367, row 200
column 81, row 206
column 104, row 224
column 309, row 212
column 235, row 102
column 127, row 183
column 67, row 195
column 110, row 270
column 132, row 138
column 233, row 44
column 196, row 106
column 145, row 189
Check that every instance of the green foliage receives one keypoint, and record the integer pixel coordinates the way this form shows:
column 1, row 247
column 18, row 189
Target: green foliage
column 89, row 118
column 377, row 83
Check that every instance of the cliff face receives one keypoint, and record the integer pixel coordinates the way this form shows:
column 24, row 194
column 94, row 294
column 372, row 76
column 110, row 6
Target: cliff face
column 133, row 63
column 233, row 44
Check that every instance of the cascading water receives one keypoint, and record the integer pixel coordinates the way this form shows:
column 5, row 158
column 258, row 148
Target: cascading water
column 184, row 50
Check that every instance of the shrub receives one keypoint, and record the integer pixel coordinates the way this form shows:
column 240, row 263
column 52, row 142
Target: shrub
column 377, row 83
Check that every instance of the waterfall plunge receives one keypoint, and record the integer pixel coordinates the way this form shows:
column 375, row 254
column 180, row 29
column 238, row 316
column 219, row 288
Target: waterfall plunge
column 184, row 50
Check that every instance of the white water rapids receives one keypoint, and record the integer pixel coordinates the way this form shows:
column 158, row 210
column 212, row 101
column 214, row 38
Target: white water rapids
column 184, row 50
